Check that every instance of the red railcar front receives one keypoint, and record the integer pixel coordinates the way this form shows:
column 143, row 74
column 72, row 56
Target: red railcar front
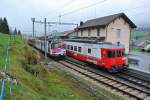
column 113, row 59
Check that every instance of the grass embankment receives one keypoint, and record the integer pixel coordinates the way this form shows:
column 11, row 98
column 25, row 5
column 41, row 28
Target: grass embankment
column 47, row 85
column 140, row 35
column 50, row 84
column 136, row 49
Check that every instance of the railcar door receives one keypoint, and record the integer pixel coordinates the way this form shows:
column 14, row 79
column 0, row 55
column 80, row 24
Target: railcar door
column 95, row 53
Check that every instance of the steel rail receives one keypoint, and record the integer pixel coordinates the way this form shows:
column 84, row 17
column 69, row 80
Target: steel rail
column 106, row 77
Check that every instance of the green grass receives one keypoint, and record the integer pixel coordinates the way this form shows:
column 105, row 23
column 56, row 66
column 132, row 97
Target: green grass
column 140, row 34
column 48, row 85
column 136, row 49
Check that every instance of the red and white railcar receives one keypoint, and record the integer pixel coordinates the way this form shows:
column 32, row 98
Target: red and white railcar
column 103, row 54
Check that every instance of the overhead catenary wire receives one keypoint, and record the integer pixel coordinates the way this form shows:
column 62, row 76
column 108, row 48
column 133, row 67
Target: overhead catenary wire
column 90, row 5
column 126, row 9
column 63, row 6
column 96, row 3
column 82, row 8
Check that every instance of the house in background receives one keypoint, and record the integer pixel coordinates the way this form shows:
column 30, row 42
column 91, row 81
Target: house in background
column 67, row 34
column 113, row 28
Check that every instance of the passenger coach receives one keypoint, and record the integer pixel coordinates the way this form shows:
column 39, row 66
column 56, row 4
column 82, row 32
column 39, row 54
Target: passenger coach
column 103, row 54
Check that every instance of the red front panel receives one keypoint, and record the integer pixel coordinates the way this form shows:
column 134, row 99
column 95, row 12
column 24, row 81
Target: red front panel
column 109, row 62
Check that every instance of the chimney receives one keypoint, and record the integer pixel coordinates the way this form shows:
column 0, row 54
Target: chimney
column 81, row 23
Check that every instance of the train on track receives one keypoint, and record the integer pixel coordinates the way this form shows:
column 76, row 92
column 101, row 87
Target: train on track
column 53, row 46
column 103, row 54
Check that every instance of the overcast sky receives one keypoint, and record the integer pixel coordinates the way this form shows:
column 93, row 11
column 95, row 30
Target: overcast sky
column 19, row 12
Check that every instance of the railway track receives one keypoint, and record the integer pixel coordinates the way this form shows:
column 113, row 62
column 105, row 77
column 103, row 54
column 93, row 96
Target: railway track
column 135, row 80
column 114, row 83
column 126, row 75
column 126, row 84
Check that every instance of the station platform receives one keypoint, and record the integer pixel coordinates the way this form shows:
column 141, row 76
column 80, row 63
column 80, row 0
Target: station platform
column 139, row 61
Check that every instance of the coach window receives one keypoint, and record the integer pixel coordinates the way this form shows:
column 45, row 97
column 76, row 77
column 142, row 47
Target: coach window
column 123, row 53
column 118, row 53
column 67, row 47
column 75, row 48
column 89, row 50
column 111, row 54
column 41, row 44
column 64, row 46
column 79, row 49
column 71, row 47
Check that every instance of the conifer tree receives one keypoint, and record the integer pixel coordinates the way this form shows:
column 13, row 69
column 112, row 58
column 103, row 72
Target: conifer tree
column 15, row 32
column 5, row 26
column 19, row 32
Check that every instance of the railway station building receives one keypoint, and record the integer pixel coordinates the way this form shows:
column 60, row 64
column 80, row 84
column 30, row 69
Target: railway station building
column 113, row 28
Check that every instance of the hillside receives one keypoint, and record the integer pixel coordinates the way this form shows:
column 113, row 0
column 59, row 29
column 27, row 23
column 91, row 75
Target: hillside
column 140, row 34
column 46, row 85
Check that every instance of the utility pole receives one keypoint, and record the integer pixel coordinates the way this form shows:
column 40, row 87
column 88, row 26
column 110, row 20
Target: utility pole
column 59, row 19
column 45, row 24
column 33, row 21
column 77, row 31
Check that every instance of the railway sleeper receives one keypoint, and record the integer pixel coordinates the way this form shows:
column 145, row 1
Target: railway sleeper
column 104, row 80
column 99, row 78
column 113, row 83
column 118, row 85
column 123, row 87
column 127, row 89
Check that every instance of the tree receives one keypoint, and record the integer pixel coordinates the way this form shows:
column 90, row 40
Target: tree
column 4, row 28
column 19, row 32
column 15, row 32
column 1, row 24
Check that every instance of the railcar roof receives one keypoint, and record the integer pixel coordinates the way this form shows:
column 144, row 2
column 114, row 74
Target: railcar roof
column 87, row 41
column 95, row 43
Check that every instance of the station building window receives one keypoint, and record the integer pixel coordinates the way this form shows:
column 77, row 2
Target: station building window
column 80, row 49
column 89, row 50
column 89, row 32
column 81, row 32
column 118, row 33
column 98, row 31
column 75, row 48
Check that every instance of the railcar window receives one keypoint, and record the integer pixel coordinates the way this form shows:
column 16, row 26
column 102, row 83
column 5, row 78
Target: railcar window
column 79, row 49
column 68, row 46
column 71, row 47
column 118, row 53
column 75, row 48
column 111, row 54
column 64, row 46
column 52, row 45
column 123, row 53
column 89, row 50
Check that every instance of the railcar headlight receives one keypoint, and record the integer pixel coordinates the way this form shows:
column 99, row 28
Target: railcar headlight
column 124, row 58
